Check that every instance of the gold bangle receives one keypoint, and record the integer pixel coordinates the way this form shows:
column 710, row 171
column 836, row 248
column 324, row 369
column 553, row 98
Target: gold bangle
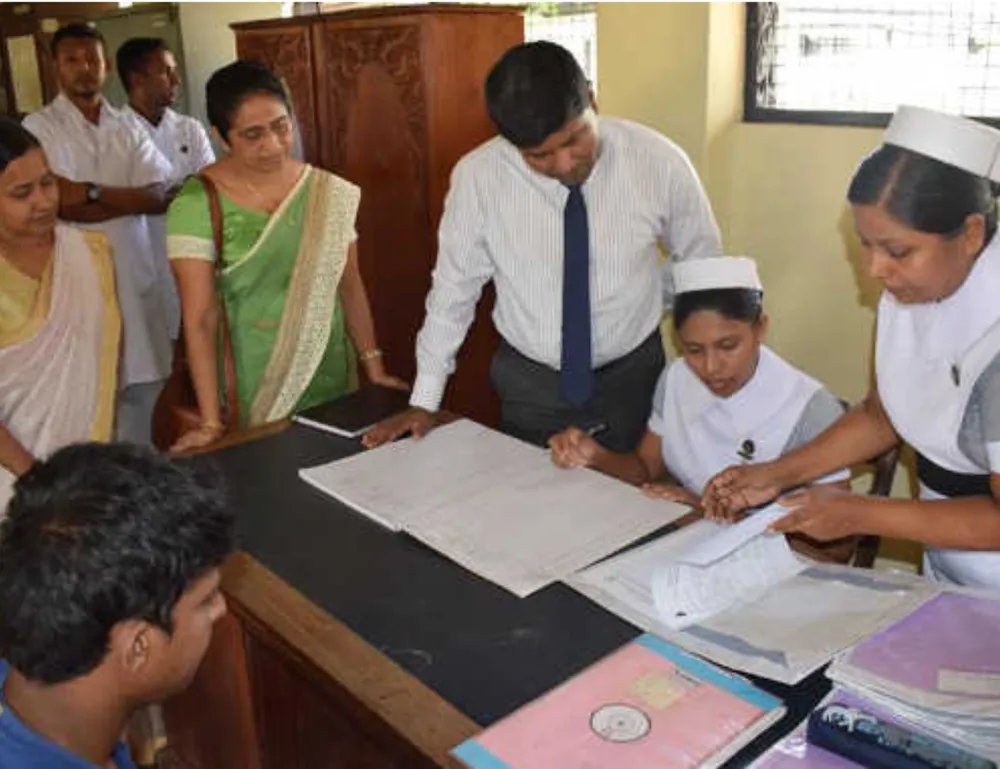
column 371, row 354
column 211, row 424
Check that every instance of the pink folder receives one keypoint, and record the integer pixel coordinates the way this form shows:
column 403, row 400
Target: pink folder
column 648, row 704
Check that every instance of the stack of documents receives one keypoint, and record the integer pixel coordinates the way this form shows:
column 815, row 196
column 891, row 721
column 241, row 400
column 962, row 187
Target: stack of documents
column 646, row 705
column 794, row 751
column 938, row 670
column 740, row 597
column 494, row 504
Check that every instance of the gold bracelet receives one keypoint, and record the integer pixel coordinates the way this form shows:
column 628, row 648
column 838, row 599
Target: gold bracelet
column 211, row 424
column 371, row 354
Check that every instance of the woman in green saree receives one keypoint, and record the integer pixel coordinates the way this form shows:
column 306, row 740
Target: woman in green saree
column 288, row 275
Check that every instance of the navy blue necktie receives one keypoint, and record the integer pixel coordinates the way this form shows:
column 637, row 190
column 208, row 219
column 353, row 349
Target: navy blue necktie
column 577, row 382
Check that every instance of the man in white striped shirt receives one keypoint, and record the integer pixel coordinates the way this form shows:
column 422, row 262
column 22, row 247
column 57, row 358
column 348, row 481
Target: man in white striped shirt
column 565, row 212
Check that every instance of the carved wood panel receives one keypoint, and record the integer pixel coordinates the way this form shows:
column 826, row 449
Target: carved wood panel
column 375, row 134
column 288, row 52
column 395, row 51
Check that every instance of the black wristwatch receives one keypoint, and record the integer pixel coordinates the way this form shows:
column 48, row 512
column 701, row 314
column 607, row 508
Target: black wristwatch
column 93, row 192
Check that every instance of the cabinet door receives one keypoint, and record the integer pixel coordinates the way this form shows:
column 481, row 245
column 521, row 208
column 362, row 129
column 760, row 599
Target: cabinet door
column 374, row 117
column 288, row 52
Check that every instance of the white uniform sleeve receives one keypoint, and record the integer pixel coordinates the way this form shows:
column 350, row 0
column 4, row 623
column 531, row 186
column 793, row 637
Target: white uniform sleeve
column 201, row 148
column 822, row 410
column 987, row 394
column 688, row 226
column 41, row 128
column 463, row 267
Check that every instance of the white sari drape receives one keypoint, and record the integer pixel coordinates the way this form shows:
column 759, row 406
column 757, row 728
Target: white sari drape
column 58, row 377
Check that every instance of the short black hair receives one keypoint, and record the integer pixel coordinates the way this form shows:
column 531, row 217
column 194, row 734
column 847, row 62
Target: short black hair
column 133, row 54
column 96, row 535
column 230, row 86
column 533, row 91
column 744, row 304
column 76, row 32
column 923, row 193
column 15, row 141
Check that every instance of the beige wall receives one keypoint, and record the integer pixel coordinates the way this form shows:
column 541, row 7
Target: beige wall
column 777, row 190
column 210, row 44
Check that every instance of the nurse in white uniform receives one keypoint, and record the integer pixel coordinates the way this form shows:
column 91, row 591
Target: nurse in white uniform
column 925, row 210
column 728, row 399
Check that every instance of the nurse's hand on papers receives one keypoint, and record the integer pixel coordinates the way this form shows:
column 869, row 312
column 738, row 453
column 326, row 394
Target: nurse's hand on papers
column 416, row 421
column 671, row 493
column 739, row 488
column 822, row 512
column 573, row 447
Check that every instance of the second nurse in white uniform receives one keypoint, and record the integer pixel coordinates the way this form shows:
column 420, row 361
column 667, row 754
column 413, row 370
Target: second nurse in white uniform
column 925, row 210
column 729, row 398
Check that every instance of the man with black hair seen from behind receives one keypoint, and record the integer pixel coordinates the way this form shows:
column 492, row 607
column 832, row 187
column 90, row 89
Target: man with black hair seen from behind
column 109, row 589
column 111, row 177
column 566, row 213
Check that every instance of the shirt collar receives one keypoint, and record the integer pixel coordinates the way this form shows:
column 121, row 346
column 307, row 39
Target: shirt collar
column 9, row 721
column 950, row 327
column 166, row 120
column 753, row 404
column 68, row 108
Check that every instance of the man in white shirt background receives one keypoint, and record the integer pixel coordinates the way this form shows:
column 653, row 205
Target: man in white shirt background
column 111, row 177
column 148, row 72
column 566, row 213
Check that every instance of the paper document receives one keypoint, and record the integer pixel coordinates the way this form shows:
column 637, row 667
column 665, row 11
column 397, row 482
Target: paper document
column 494, row 504
column 687, row 594
column 731, row 537
column 783, row 632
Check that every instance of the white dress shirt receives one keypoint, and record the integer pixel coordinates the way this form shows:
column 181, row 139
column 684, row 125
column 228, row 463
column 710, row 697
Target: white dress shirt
column 182, row 140
column 115, row 154
column 504, row 222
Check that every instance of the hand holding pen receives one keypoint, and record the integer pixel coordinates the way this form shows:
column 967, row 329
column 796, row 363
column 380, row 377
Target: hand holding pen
column 576, row 447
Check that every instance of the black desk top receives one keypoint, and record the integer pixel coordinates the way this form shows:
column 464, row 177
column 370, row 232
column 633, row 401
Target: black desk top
column 479, row 647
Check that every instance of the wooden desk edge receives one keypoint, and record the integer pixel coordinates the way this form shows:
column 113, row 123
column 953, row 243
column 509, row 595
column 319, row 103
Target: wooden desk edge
column 410, row 708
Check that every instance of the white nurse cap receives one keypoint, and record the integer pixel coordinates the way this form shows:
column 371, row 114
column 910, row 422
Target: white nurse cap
column 715, row 273
column 957, row 141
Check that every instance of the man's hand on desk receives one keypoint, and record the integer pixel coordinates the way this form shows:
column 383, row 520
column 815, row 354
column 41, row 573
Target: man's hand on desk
column 415, row 421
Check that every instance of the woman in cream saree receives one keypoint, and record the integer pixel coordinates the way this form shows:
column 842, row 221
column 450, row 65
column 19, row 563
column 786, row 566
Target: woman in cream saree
column 287, row 276
column 59, row 320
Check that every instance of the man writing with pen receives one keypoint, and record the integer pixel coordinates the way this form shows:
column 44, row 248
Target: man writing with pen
column 567, row 214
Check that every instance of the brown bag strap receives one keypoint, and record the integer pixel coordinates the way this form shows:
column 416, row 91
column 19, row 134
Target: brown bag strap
column 232, row 412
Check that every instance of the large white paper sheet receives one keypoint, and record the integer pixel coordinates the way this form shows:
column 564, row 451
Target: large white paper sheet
column 495, row 505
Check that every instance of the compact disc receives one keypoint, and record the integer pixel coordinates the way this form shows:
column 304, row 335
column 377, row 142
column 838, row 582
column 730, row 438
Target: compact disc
column 619, row 723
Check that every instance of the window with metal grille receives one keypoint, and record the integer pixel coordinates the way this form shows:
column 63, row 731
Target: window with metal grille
column 852, row 63
column 571, row 25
